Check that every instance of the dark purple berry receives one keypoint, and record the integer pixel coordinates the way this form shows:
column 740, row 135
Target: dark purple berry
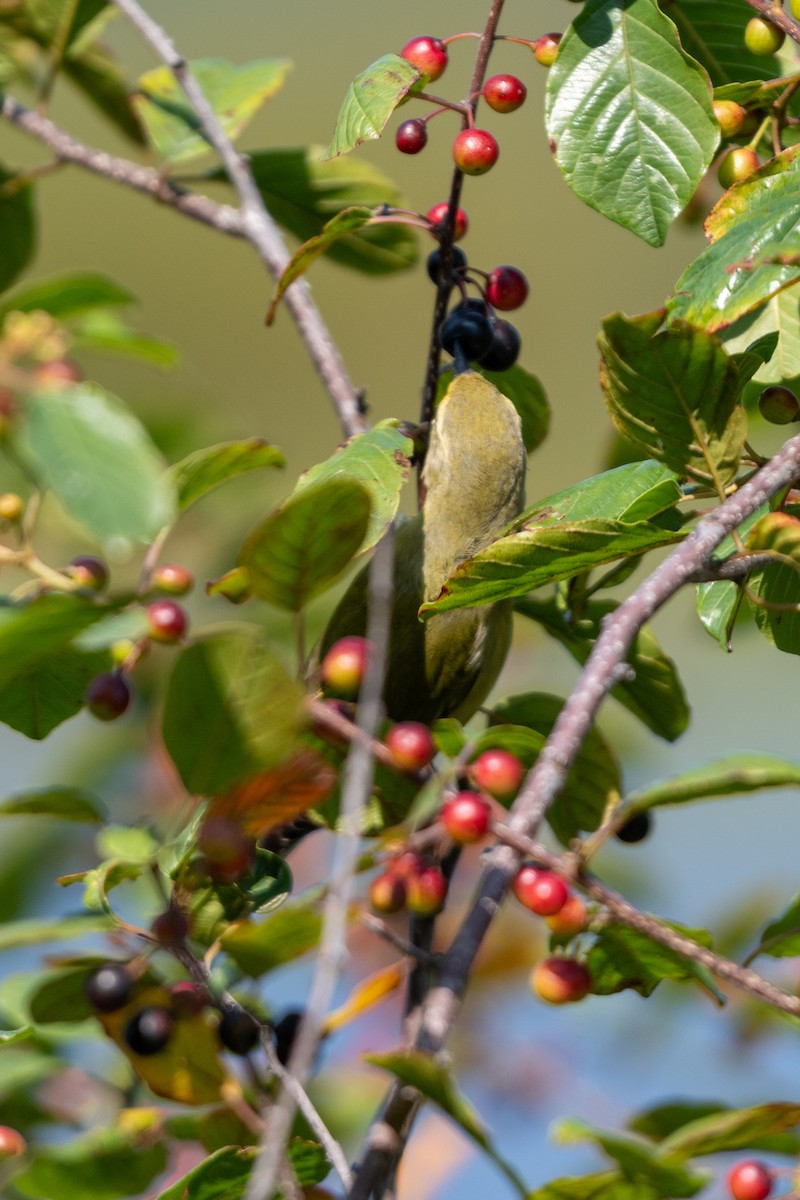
column 109, row 987
column 636, row 829
column 238, row 1031
column 149, row 1031
column 469, row 330
column 284, row 1032
column 458, row 262
column 108, row 696
column 505, row 347
column 411, row 136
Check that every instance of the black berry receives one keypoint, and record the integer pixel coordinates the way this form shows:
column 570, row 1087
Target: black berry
column 636, row 829
column 149, row 1031
column 433, row 266
column 109, row 987
column 238, row 1031
column 505, row 347
column 285, row 1031
column 470, row 330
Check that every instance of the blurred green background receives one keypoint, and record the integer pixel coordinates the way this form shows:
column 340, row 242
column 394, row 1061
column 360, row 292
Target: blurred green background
column 208, row 294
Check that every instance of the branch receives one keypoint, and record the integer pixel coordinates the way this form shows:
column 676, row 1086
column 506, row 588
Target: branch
column 386, row 1138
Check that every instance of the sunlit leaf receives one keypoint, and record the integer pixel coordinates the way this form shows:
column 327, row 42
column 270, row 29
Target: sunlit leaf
column 347, row 222
column 640, row 1161
column 63, row 803
column 371, row 99
column 288, row 934
column 204, row 470
column 735, row 775
column 627, row 958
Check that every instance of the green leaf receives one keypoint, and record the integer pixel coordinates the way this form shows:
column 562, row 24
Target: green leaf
column 640, row 1162
column 606, row 1185
column 9, row 1036
column 675, row 393
column 526, row 394
column 17, row 227
column 655, row 695
column 781, row 316
column 288, row 934
column 35, row 931
column 303, row 192
column 371, row 99
column 309, row 1162
column 235, row 93
column 33, row 630
column 65, row 296
column 380, row 461
column 230, row 710
column 306, row 543
column 95, row 72
column 104, row 1164
column 347, row 222
column 591, row 782
column 132, row 843
column 97, row 459
column 736, row 1129
column 221, row 1176
column 755, row 251
column 778, row 585
column 625, row 958
column 43, row 20
column 64, row 803
column 712, row 31
column 49, row 692
column 731, row 776
column 781, row 938
column 421, row 1071
column 103, row 330
column 629, row 116
column 718, row 603
column 61, row 996
column 449, row 736
column 204, row 470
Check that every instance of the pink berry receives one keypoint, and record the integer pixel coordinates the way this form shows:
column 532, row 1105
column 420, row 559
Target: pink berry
column 12, row 1143
column 167, row 621
column 173, row 579
column 56, row 373
column 475, row 151
column 426, row 891
column 466, row 817
column 540, row 891
column 412, row 136
column 749, row 1180
column 561, row 980
column 187, row 999
column 507, row 288
column 108, row 696
column 438, row 214
column 504, row 93
column 411, row 745
column 344, row 666
column 89, row 571
column 497, row 772
column 427, row 54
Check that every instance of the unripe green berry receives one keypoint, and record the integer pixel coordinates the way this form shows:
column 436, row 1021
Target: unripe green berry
column 778, row 405
column 737, row 165
column 762, row 38
column 730, row 117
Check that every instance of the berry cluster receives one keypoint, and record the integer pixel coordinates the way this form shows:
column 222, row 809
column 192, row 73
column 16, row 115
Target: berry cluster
column 411, row 883
column 472, row 329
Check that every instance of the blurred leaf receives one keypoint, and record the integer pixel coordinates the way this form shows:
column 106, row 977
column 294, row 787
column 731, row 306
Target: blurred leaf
column 64, row 296
column 42, row 20
column 434, row 1081
column 306, row 543
column 778, row 585
column 204, row 470
column 640, row 1162
column 309, row 1162
column 735, row 1129
column 591, row 782
column 625, row 958
column 781, row 938
column 103, row 330
column 98, row 460
column 675, row 393
column 129, row 625
column 34, row 630
column 9, row 1036
column 779, row 315
column 62, row 994
column 526, row 394
column 608, row 1185
column 288, row 934
column 221, row 1176
column 380, row 461
column 230, row 711
column 17, row 227
column 714, row 35
column 632, row 142
column 302, row 192
column 449, row 736
column 661, row 1120
column 94, row 71
column 346, row 222
column 278, row 795
column 104, row 1164
column 131, row 842
column 755, row 243
column 64, row 803
column 34, row 931
column 371, row 99
column 731, row 776
column 49, row 692
column 366, row 995
column 235, row 93
column 655, row 695
column 269, row 882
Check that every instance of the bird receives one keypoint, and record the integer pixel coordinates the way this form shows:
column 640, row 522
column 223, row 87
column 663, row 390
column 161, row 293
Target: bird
column 473, row 482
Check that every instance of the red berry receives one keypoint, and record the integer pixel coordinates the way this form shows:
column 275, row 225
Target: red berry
column 507, row 288
column 497, row 772
column 560, row 980
column 149, row 1031
column 466, row 816
column 541, row 891
column 427, row 54
column 411, row 745
column 167, row 621
column 227, row 850
column 475, row 151
column 172, row 579
column 171, row 927
column 387, row 893
column 344, row 666
column 12, row 1143
column 504, row 93
column 406, row 865
column 187, row 999
column 108, row 696
column 545, row 48
column 55, row 374
column 749, row 1180
column 571, row 919
column 426, row 891
column 89, row 571
column 412, row 136
column 438, row 215
column 737, row 164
